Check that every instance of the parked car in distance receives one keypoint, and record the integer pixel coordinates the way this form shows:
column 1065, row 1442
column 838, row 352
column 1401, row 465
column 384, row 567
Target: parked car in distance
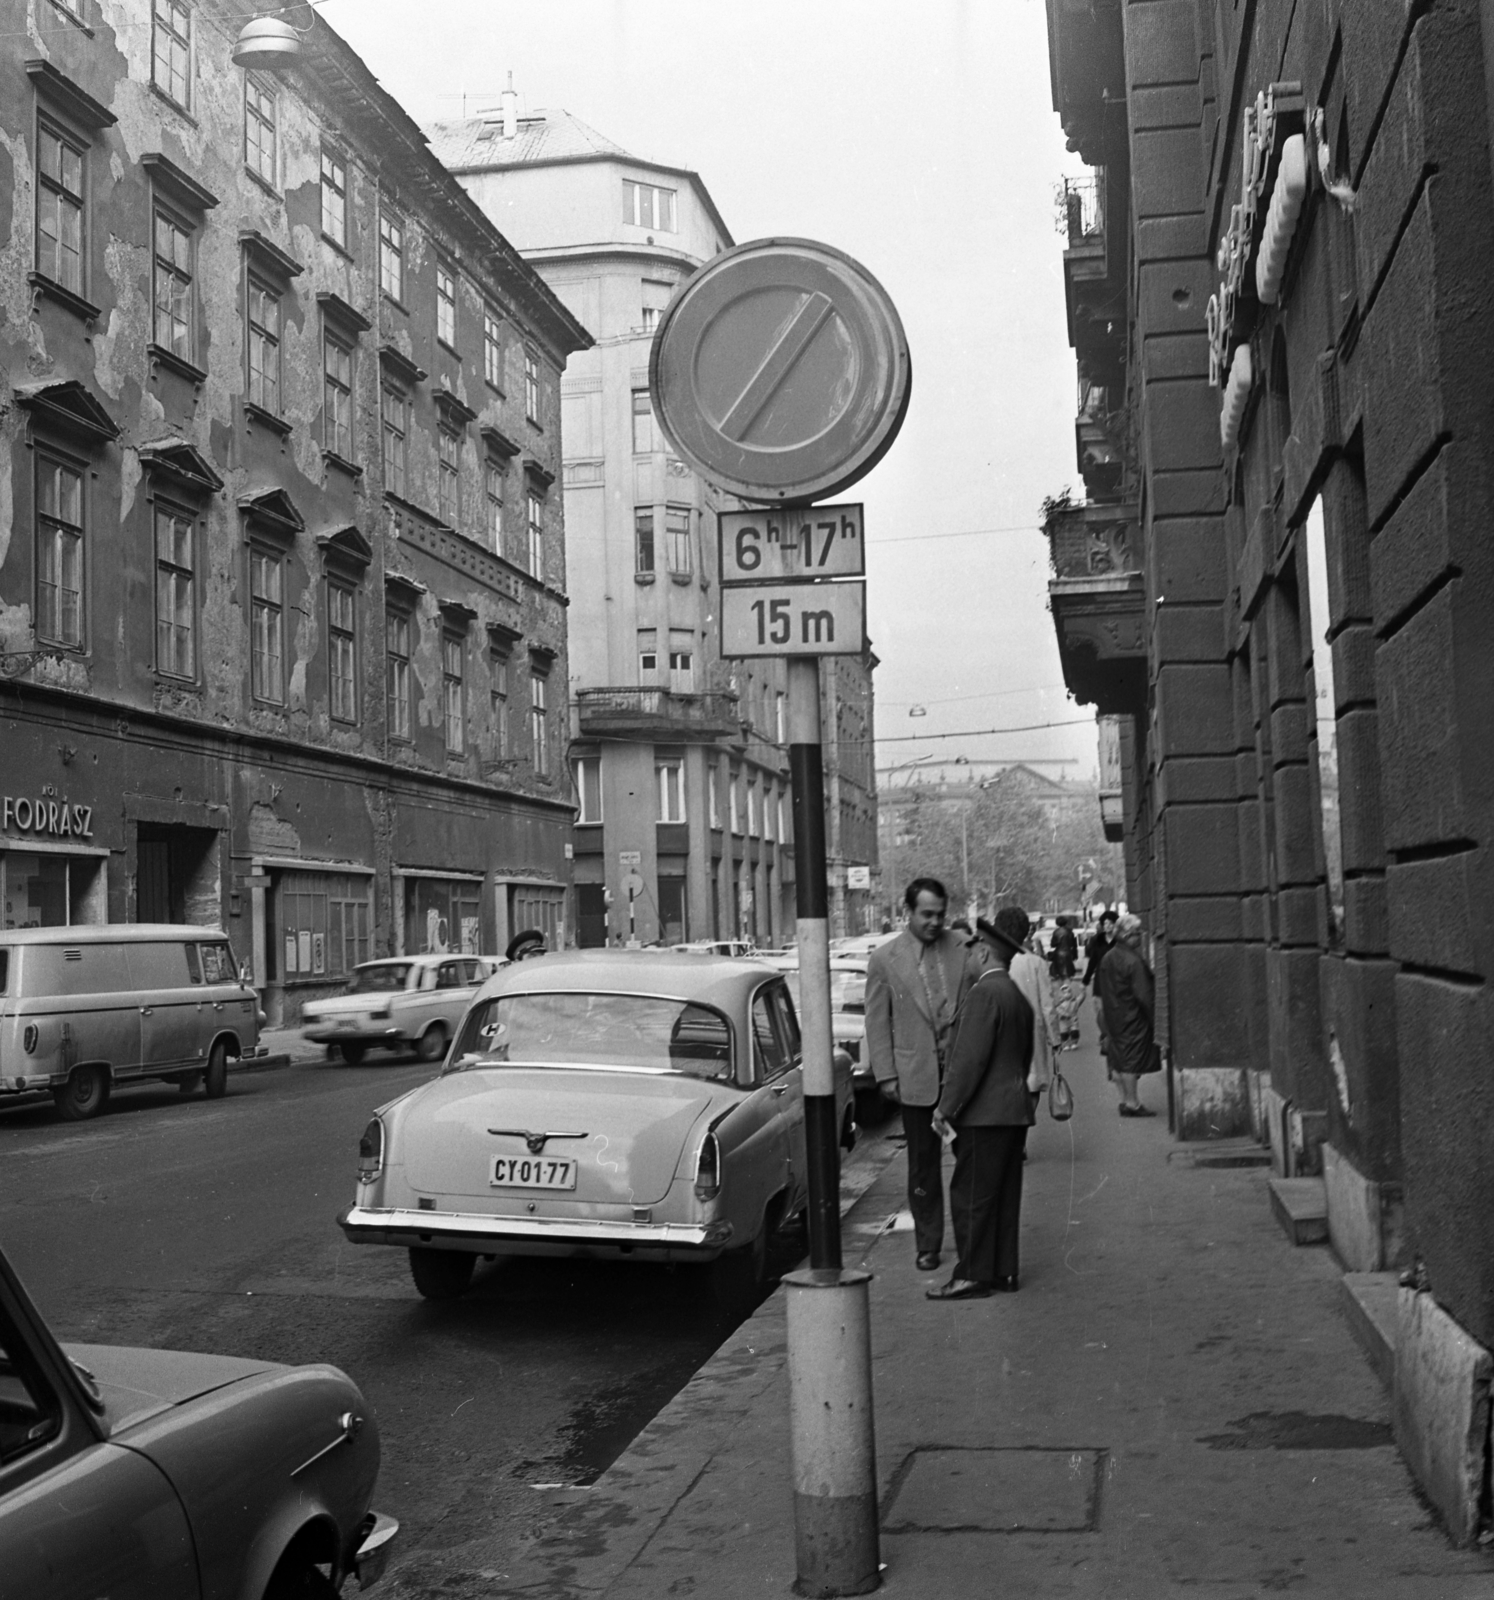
column 847, row 1023
column 718, row 947
column 401, row 1003
column 601, row 1103
column 159, row 1475
column 83, row 1009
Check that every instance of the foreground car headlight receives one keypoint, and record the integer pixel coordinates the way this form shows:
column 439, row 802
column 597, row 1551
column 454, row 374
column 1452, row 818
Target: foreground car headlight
column 371, row 1152
column 708, row 1169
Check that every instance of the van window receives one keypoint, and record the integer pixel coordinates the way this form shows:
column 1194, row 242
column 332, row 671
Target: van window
column 157, row 965
column 217, row 964
column 194, row 967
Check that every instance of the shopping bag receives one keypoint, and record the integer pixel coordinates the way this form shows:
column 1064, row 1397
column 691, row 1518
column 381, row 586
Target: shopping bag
column 1060, row 1098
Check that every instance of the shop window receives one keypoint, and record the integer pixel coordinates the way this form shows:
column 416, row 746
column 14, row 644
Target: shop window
column 677, row 520
column 442, row 914
column 395, row 417
column 1325, row 716
column 262, row 344
column 644, row 437
column 171, row 51
column 259, row 128
column 646, row 205
column 176, row 612
column 392, row 256
column 342, row 651
column 323, row 924
column 446, row 305
column 337, row 395
column 49, row 891
column 267, row 625
column 59, row 552
column 172, row 294
column 643, row 538
column 398, row 685
column 334, row 197
column 670, row 776
column 539, row 726
column 537, row 906
column 492, row 348
column 454, row 694
column 589, row 789
column 60, row 206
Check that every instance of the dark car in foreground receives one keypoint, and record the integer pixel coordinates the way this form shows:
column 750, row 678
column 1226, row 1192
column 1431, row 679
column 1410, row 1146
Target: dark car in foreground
column 160, row 1475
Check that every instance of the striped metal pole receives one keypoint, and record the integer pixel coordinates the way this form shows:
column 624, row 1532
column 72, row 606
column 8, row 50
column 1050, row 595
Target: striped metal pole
column 829, row 1334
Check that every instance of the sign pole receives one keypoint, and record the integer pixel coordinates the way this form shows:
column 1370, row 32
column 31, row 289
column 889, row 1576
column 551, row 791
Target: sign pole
column 829, row 1330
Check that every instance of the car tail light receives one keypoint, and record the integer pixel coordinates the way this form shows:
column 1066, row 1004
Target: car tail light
column 708, row 1169
column 379, row 1012
column 371, row 1152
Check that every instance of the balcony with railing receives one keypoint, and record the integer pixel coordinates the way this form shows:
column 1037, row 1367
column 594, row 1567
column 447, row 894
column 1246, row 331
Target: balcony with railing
column 1094, row 284
column 633, row 712
column 1098, row 440
column 1097, row 597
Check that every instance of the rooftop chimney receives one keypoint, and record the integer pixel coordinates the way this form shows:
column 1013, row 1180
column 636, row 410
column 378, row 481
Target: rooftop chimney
column 510, row 110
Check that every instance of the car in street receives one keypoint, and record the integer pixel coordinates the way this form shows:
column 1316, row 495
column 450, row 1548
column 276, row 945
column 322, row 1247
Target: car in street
column 609, row 1104
column 847, row 1023
column 161, row 1475
column 718, row 947
column 399, row 1003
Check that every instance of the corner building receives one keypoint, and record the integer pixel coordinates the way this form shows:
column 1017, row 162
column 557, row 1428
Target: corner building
column 1280, row 586
column 680, row 758
column 282, row 605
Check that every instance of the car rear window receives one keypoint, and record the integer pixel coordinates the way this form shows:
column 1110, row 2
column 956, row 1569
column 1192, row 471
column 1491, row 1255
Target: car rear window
column 609, row 1030
column 379, row 980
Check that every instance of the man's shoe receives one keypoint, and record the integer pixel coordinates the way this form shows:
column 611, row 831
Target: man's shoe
column 1007, row 1285
column 1135, row 1111
column 959, row 1289
column 928, row 1261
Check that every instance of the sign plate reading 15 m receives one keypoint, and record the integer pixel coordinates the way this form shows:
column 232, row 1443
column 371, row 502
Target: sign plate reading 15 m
column 794, row 619
column 772, row 546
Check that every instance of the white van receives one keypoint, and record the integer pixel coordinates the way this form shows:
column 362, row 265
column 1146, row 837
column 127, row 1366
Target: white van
column 84, row 1008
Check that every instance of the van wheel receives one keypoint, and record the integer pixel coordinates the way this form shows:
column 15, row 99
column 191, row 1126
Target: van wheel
column 189, row 1082
column 353, row 1052
column 431, row 1045
column 441, row 1274
column 216, row 1075
column 84, row 1095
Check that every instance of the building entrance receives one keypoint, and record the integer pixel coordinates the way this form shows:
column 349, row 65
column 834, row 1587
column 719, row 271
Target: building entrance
column 176, row 874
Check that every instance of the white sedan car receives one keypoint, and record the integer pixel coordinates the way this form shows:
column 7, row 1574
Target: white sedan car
column 620, row 1105
column 405, row 1002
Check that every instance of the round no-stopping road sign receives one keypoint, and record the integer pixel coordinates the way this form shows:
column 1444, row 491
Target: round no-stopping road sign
column 780, row 371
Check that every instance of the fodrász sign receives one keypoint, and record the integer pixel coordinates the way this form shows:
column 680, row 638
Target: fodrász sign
column 55, row 817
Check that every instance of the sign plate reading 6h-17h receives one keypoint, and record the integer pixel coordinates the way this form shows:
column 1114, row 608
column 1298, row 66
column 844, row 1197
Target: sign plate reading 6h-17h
column 780, row 371
column 790, row 545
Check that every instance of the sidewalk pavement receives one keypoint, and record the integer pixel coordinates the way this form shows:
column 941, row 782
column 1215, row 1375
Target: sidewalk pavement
column 283, row 1046
column 1172, row 1404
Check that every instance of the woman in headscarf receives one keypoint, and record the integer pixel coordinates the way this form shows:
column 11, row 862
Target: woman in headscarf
column 1127, row 995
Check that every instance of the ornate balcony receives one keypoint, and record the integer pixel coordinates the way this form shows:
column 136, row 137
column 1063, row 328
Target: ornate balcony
column 1098, row 441
column 1087, row 66
column 1097, row 596
column 628, row 712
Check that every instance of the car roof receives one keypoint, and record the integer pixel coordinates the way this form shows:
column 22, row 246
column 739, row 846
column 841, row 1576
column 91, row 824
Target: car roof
column 109, row 933
column 722, row 981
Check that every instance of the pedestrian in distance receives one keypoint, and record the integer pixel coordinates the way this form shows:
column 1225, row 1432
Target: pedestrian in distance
column 1030, row 974
column 915, row 984
column 987, row 1105
column 1127, row 995
column 1063, row 964
column 1098, row 943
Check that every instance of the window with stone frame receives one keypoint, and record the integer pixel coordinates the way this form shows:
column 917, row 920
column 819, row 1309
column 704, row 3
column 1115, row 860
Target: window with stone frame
column 342, row 650
column 670, row 775
column 267, row 624
column 260, row 128
column 494, row 481
column 334, row 197
column 448, row 476
column 446, row 305
column 337, row 394
column 171, row 51
column 262, row 343
column 539, row 727
column 392, row 256
column 531, row 386
column 589, row 790
column 176, row 592
column 454, row 693
column 61, row 205
column 395, row 430
column 535, row 517
column 492, row 348
column 498, row 704
column 60, row 551
column 645, row 440
column 398, row 685
column 678, row 539
column 172, row 293
column 643, row 538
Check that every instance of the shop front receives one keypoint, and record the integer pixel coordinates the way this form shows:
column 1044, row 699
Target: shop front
column 53, row 871
column 440, row 912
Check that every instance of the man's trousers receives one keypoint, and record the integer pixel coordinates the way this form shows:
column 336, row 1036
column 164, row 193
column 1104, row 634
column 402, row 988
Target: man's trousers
column 925, row 1179
column 985, row 1201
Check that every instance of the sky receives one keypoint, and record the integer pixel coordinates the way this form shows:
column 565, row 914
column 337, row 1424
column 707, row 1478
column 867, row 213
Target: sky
column 919, row 138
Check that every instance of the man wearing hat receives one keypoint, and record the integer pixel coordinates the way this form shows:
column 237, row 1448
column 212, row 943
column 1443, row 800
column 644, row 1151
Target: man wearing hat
column 985, row 1100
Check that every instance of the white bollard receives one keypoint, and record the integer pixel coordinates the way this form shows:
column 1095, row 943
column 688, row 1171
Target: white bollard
column 830, row 1424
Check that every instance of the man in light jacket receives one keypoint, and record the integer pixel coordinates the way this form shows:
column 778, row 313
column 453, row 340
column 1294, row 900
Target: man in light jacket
column 914, row 986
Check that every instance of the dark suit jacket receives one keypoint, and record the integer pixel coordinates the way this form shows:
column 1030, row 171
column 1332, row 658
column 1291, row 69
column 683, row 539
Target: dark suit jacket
column 899, row 1029
column 986, row 1084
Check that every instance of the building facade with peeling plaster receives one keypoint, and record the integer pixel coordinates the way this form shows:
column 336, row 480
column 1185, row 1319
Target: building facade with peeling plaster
column 282, row 561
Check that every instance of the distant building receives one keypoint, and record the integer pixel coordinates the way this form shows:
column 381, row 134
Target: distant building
column 684, row 828
column 282, row 608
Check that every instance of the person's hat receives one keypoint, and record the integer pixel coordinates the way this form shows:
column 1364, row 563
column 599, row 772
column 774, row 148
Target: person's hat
column 523, row 943
column 1009, row 927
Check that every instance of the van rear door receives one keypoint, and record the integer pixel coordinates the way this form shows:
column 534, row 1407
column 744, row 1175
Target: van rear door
column 172, row 1023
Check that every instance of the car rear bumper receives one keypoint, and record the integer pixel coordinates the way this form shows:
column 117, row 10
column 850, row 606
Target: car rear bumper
column 465, row 1230
column 329, row 1033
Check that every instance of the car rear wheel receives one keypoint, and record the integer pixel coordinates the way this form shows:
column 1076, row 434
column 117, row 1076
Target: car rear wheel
column 84, row 1095
column 352, row 1052
column 441, row 1274
column 216, row 1075
column 297, row 1578
column 739, row 1278
column 431, row 1045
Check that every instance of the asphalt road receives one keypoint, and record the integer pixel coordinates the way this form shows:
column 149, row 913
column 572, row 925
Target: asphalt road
column 209, row 1225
